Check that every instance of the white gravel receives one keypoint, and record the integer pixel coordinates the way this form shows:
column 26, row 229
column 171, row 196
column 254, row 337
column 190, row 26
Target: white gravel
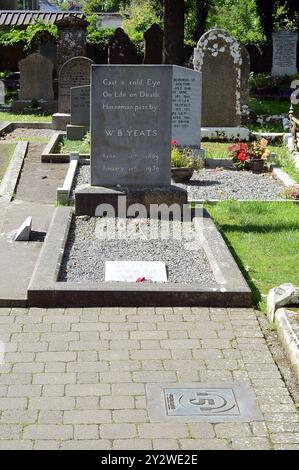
column 209, row 184
column 92, row 242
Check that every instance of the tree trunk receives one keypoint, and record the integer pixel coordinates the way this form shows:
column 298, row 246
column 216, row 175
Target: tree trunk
column 174, row 16
column 201, row 12
column 265, row 9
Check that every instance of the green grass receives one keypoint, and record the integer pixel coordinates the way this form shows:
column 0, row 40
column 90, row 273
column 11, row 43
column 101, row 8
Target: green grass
column 271, row 107
column 284, row 161
column 263, row 238
column 13, row 117
column 215, row 149
column 6, row 152
column 81, row 146
column 30, row 138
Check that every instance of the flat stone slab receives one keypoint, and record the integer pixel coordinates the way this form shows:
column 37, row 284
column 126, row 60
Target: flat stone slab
column 212, row 403
column 130, row 271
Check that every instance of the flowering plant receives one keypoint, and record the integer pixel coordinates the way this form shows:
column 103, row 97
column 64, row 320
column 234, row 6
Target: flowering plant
column 242, row 153
column 292, row 192
column 183, row 158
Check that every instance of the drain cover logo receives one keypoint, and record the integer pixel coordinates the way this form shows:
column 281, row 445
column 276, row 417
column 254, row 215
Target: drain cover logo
column 200, row 401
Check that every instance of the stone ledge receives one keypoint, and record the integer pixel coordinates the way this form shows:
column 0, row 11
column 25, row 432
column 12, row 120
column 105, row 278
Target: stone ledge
column 88, row 198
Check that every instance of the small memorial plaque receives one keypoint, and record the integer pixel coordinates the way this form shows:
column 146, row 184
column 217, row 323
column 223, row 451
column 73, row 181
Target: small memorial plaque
column 131, row 271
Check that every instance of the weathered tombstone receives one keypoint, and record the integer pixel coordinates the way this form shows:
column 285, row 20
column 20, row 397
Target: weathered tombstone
column 186, row 107
column 284, row 60
column 131, row 127
column 75, row 72
column 71, row 40
column 218, row 56
column 120, row 49
column 153, row 53
column 36, row 82
column 80, row 112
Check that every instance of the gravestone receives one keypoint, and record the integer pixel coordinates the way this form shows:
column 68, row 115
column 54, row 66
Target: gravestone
column 80, row 112
column 120, row 49
column 186, row 107
column 153, row 53
column 284, row 60
column 131, row 127
column 36, row 78
column 71, row 40
column 219, row 57
column 75, row 72
column 36, row 82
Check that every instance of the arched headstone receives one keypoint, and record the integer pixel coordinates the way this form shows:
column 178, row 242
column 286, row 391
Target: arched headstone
column 36, row 78
column 219, row 57
column 75, row 72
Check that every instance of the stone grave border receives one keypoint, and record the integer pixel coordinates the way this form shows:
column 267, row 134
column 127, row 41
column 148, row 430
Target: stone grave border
column 50, row 154
column 45, row 290
column 288, row 337
column 11, row 177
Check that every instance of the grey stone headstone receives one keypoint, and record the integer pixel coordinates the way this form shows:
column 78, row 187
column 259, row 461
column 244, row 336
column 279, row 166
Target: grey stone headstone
column 186, row 107
column 80, row 105
column 75, row 72
column 23, row 233
column 284, row 60
column 218, row 56
column 36, row 78
column 121, row 50
column 71, row 39
column 130, row 271
column 131, row 125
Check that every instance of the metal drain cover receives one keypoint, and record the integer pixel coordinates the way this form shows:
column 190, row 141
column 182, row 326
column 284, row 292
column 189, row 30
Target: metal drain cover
column 202, row 402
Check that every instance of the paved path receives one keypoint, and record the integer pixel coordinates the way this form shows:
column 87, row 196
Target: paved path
column 76, row 378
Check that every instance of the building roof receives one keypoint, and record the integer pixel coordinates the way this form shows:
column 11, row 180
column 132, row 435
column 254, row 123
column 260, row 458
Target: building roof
column 46, row 5
column 25, row 17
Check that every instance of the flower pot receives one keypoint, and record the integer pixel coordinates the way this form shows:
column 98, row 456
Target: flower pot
column 181, row 175
column 256, row 165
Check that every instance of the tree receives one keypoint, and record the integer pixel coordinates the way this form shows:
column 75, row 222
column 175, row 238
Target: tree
column 201, row 10
column 265, row 10
column 174, row 21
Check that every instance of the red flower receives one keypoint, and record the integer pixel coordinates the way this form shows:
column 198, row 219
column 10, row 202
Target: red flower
column 140, row 279
column 242, row 156
column 173, row 142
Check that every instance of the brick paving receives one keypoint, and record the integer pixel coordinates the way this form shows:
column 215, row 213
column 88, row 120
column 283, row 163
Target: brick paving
column 75, row 378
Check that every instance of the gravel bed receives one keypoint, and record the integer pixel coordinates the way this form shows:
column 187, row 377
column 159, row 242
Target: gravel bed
column 89, row 247
column 26, row 133
column 219, row 184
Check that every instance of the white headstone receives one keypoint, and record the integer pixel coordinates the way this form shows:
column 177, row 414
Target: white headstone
column 284, row 60
column 186, row 107
column 130, row 271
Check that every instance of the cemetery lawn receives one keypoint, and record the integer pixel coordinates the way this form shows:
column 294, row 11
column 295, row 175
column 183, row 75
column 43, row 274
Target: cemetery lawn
column 81, row 146
column 263, row 238
column 6, row 152
column 13, row 117
column 271, row 107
